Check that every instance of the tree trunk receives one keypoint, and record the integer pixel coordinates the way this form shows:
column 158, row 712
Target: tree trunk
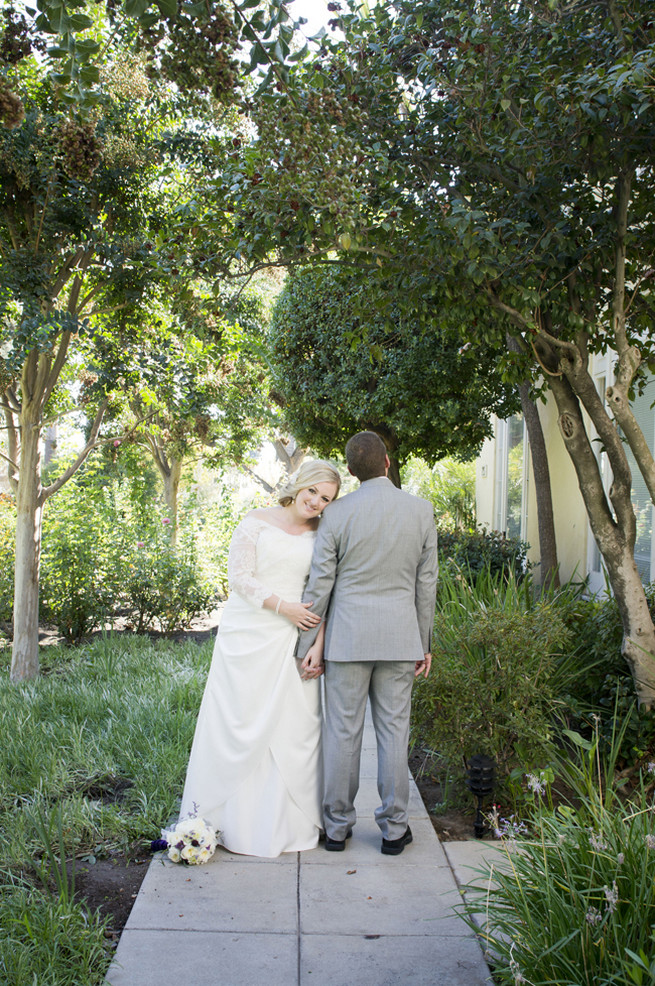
column 541, row 471
column 394, row 471
column 614, row 533
column 29, row 508
column 50, row 444
column 171, row 477
column 289, row 453
column 549, row 570
column 170, row 470
column 638, row 632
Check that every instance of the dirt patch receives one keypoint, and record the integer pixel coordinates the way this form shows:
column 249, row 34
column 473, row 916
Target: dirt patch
column 111, row 887
column 450, row 824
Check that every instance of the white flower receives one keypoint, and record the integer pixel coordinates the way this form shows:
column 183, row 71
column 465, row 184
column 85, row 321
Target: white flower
column 191, row 841
column 536, row 783
column 593, row 916
column 597, row 842
column 515, row 968
column 650, row 841
column 612, row 897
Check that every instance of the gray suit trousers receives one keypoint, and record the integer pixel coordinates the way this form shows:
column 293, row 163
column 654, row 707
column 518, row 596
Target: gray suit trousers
column 388, row 684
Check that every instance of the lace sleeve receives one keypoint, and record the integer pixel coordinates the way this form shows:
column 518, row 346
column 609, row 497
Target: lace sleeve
column 242, row 563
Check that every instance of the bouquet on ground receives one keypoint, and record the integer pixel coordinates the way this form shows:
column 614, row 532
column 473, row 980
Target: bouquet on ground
column 191, row 841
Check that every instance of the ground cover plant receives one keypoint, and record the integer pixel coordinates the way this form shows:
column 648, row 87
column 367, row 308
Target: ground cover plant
column 574, row 902
column 83, row 779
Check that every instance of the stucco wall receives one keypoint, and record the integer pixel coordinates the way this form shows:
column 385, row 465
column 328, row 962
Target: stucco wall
column 570, row 515
column 484, row 485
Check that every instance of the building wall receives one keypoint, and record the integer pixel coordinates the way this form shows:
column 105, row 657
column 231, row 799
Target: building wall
column 485, row 482
column 571, row 526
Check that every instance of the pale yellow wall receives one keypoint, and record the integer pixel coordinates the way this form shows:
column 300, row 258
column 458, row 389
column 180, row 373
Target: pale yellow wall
column 571, row 526
column 570, row 515
column 484, row 485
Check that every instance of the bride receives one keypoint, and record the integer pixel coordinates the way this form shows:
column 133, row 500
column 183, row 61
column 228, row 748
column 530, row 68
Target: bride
column 255, row 773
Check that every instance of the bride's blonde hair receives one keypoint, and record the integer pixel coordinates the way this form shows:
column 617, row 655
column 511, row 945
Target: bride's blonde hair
column 310, row 472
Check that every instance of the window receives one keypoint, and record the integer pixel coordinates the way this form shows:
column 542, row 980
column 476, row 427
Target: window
column 641, row 500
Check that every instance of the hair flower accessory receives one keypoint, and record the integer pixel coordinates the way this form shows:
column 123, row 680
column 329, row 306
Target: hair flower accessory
column 192, row 841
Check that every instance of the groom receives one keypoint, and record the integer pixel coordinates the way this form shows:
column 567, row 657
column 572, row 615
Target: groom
column 374, row 576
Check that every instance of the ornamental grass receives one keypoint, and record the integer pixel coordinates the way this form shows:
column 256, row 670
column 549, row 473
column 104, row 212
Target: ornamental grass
column 92, row 766
column 573, row 902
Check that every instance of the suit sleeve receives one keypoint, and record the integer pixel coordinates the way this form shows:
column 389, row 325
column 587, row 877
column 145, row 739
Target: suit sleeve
column 319, row 586
column 427, row 571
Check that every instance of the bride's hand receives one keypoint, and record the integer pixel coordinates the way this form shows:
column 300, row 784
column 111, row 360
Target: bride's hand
column 312, row 665
column 300, row 615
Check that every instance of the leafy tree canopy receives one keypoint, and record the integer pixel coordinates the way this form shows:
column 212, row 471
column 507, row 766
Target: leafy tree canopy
column 496, row 154
column 346, row 359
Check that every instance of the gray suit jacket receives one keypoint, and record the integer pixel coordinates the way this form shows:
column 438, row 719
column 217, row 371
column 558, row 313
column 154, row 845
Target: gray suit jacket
column 374, row 575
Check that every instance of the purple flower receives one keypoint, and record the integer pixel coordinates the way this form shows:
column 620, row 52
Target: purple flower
column 158, row 845
column 141, row 544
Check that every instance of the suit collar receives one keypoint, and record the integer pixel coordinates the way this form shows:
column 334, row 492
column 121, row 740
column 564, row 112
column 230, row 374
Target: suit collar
column 376, row 481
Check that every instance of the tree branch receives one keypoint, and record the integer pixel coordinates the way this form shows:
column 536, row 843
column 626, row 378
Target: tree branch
column 72, row 469
column 13, row 448
column 56, row 367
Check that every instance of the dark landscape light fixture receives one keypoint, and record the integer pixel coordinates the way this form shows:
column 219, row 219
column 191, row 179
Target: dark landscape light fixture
column 480, row 782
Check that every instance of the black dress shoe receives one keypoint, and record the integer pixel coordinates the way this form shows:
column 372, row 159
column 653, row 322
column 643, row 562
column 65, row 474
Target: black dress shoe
column 336, row 845
column 394, row 847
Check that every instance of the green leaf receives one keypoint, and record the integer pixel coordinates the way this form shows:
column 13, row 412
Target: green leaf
column 87, row 47
column 579, row 740
column 258, row 56
column 149, row 20
column 168, row 8
column 90, row 74
column 80, row 22
column 136, row 8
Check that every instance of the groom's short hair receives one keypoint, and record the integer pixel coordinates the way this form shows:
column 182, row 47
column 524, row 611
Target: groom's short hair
column 366, row 455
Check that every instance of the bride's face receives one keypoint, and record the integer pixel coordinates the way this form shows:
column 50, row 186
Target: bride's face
column 312, row 501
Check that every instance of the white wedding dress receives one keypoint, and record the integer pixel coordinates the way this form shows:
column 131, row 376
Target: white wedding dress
column 254, row 772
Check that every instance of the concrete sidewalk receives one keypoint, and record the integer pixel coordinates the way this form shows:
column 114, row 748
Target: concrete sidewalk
column 356, row 918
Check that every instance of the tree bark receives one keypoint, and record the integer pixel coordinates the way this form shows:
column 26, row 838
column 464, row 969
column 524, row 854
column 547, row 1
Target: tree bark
column 170, row 470
column 13, row 449
column 614, row 534
column 171, row 479
column 29, row 508
column 289, row 453
column 394, row 471
column 30, row 498
column 50, row 444
column 549, row 565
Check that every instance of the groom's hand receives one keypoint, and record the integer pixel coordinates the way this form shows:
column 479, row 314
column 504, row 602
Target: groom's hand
column 312, row 666
column 423, row 667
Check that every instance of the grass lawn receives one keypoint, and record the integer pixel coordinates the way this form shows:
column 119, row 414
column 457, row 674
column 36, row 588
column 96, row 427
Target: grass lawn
column 92, row 762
